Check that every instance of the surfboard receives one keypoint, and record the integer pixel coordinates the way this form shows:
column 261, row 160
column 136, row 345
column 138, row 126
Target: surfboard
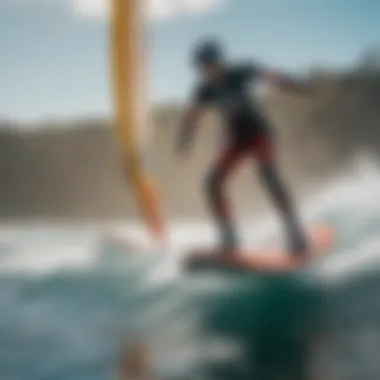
column 321, row 237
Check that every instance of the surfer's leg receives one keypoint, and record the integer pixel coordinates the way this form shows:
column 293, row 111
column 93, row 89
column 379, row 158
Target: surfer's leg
column 216, row 198
column 265, row 153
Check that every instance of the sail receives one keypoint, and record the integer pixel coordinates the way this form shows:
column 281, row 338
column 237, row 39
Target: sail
column 127, row 44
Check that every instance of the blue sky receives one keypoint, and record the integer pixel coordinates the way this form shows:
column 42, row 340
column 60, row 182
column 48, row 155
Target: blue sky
column 54, row 58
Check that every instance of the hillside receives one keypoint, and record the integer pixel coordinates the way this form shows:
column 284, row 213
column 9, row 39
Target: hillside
column 74, row 171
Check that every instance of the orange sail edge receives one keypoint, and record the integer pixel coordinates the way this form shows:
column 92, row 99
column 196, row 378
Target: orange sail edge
column 150, row 205
column 145, row 189
column 146, row 192
column 152, row 209
column 126, row 46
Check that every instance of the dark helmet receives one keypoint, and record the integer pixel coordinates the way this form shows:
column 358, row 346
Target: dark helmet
column 207, row 52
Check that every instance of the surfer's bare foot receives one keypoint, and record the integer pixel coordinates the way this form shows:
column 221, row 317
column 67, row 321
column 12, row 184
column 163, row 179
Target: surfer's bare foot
column 227, row 251
column 298, row 245
column 229, row 244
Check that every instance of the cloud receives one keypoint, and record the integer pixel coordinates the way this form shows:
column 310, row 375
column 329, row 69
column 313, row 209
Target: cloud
column 91, row 8
column 157, row 10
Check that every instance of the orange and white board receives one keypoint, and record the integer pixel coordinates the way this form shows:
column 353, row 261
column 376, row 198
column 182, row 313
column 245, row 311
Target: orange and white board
column 321, row 238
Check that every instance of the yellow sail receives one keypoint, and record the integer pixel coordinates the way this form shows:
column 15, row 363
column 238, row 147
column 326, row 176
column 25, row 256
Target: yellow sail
column 130, row 101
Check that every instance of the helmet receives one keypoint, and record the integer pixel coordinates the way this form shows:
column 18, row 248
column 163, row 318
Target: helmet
column 207, row 52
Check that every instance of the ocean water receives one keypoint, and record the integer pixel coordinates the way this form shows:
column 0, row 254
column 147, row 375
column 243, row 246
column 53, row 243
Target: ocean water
column 69, row 297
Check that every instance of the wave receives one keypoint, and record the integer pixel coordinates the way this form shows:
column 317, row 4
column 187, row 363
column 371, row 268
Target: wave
column 69, row 299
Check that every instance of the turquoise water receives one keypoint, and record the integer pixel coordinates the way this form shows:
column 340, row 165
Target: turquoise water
column 69, row 298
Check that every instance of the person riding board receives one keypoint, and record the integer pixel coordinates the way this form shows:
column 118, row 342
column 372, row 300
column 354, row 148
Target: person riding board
column 247, row 135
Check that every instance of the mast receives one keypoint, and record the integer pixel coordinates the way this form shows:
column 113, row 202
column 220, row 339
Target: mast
column 130, row 99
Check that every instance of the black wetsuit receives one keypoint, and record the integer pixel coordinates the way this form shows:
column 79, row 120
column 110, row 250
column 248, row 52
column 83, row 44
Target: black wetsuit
column 231, row 96
column 247, row 135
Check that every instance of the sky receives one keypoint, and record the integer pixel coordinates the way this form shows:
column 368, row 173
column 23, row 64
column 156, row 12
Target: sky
column 54, row 59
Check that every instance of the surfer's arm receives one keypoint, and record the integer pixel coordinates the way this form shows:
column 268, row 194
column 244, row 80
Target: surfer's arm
column 201, row 98
column 188, row 127
column 256, row 71
column 286, row 83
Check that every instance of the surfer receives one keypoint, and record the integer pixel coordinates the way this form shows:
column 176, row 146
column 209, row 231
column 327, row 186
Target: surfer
column 225, row 85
